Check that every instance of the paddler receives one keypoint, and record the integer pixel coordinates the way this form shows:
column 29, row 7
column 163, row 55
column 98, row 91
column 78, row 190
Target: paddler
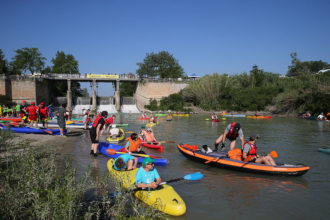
column 125, row 162
column 149, row 136
column 33, row 114
column 250, row 152
column 147, row 175
column 43, row 113
column 108, row 122
column 133, row 144
column 232, row 131
column 214, row 116
column 95, row 131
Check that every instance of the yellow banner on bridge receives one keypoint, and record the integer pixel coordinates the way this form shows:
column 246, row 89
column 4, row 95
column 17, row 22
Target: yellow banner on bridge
column 98, row 76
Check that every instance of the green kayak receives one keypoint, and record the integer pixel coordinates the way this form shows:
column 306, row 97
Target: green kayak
column 324, row 150
column 122, row 125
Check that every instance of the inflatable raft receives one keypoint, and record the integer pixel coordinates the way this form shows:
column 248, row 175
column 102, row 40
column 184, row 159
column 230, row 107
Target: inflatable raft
column 165, row 199
column 102, row 148
column 220, row 159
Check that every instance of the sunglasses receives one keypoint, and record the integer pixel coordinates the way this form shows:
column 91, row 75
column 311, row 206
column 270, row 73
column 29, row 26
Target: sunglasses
column 151, row 164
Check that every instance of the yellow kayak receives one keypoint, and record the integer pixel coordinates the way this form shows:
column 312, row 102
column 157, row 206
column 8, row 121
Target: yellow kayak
column 117, row 139
column 150, row 124
column 165, row 199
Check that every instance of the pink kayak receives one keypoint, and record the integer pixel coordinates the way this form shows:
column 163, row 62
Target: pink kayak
column 153, row 145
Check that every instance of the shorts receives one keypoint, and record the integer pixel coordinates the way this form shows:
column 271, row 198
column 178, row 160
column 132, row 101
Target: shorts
column 231, row 138
column 33, row 117
column 44, row 119
column 92, row 134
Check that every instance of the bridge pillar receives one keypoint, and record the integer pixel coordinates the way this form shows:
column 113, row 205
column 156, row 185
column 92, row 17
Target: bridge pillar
column 94, row 97
column 117, row 96
column 69, row 96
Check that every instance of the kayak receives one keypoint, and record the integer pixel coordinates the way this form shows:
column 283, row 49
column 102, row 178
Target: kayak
column 215, row 120
column 104, row 146
column 150, row 124
column 117, row 139
column 310, row 118
column 151, row 145
column 164, row 198
column 143, row 118
column 324, row 150
column 28, row 130
column 253, row 116
column 11, row 119
column 121, row 125
column 220, row 159
column 237, row 115
column 161, row 114
column 72, row 125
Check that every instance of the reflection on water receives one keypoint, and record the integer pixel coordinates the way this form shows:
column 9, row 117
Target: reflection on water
column 232, row 194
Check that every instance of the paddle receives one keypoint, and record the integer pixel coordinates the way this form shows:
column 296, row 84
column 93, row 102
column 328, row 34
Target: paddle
column 47, row 131
column 192, row 176
column 112, row 152
column 159, row 142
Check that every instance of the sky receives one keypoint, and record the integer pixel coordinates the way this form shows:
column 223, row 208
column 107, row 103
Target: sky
column 205, row 36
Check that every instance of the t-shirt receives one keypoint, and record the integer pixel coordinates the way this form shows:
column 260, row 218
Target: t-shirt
column 146, row 177
column 240, row 132
column 246, row 148
column 32, row 109
column 126, row 158
column 114, row 131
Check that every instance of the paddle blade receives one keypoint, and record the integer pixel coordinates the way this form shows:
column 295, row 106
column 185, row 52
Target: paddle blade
column 111, row 151
column 273, row 154
column 193, row 176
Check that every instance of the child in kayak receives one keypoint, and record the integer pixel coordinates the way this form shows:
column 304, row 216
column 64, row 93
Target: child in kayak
column 147, row 176
column 133, row 144
column 125, row 162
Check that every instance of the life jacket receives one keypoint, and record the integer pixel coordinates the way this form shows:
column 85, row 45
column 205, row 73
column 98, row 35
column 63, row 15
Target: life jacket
column 96, row 121
column 191, row 147
column 231, row 132
column 235, row 154
column 133, row 146
column 43, row 111
column 253, row 151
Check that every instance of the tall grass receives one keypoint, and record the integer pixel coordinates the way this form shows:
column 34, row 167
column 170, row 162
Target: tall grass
column 33, row 188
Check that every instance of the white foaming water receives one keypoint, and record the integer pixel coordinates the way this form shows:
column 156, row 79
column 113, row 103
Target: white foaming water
column 129, row 109
column 78, row 109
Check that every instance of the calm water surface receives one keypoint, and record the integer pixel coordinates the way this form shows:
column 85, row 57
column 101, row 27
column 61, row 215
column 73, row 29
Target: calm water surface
column 228, row 194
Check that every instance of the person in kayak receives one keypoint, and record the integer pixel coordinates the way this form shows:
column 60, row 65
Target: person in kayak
column 149, row 136
column 108, row 122
column 147, row 175
column 152, row 119
column 232, row 131
column 214, row 117
column 115, row 132
column 133, row 144
column 141, row 133
column 250, row 152
column 321, row 117
column 95, row 131
column 125, row 162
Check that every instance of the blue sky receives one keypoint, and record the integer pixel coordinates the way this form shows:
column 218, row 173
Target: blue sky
column 205, row 36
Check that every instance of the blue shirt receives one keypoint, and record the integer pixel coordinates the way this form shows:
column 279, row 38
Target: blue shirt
column 146, row 177
column 126, row 158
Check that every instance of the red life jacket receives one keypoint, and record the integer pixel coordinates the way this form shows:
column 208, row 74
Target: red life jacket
column 231, row 132
column 253, row 151
column 96, row 121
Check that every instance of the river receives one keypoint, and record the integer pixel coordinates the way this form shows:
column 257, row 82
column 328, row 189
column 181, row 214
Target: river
column 229, row 194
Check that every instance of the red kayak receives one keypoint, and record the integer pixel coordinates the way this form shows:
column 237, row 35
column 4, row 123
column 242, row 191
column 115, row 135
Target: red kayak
column 143, row 118
column 153, row 145
column 215, row 120
column 11, row 119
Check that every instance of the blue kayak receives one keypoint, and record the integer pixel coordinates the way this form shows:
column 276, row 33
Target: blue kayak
column 28, row 130
column 104, row 146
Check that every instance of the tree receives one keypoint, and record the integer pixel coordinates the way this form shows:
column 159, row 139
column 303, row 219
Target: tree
column 65, row 64
column 28, row 59
column 3, row 63
column 162, row 65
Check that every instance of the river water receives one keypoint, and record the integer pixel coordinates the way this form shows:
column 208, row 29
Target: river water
column 229, row 194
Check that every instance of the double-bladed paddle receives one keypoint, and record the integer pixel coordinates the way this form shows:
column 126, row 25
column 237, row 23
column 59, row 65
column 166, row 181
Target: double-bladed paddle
column 113, row 151
column 192, row 176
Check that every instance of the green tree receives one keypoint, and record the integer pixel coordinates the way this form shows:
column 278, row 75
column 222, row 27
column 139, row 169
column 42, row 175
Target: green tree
column 127, row 89
column 65, row 64
column 3, row 63
column 28, row 59
column 162, row 65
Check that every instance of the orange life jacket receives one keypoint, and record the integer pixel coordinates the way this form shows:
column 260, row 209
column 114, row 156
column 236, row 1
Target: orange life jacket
column 235, row 154
column 133, row 146
column 149, row 136
column 231, row 132
column 191, row 147
column 96, row 121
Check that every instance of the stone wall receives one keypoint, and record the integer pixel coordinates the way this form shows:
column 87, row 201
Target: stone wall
column 155, row 90
column 23, row 90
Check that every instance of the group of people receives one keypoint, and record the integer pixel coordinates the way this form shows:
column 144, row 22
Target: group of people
column 248, row 148
column 320, row 117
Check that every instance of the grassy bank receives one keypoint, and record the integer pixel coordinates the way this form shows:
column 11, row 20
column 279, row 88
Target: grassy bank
column 32, row 187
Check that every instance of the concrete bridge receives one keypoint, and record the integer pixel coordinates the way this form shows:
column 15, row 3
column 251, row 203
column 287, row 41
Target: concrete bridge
column 36, row 87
